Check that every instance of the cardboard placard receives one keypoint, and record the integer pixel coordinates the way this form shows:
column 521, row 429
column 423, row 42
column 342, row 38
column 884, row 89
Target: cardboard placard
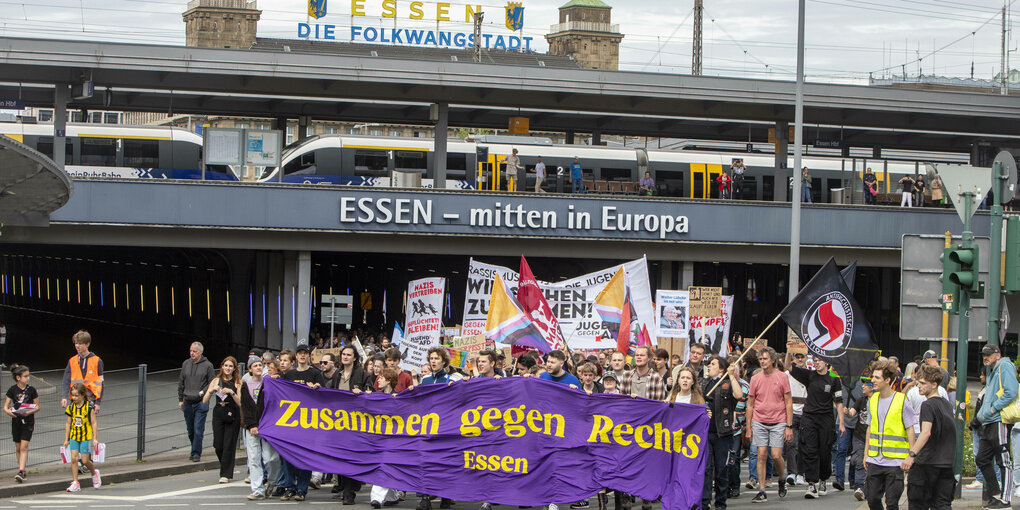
column 675, row 346
column 472, row 344
column 794, row 344
column 317, row 354
column 705, row 301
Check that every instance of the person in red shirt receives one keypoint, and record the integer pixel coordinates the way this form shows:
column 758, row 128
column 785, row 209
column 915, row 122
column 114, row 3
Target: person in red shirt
column 392, row 360
column 724, row 181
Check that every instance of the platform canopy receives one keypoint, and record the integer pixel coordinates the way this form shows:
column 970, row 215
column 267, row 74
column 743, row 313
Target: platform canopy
column 31, row 185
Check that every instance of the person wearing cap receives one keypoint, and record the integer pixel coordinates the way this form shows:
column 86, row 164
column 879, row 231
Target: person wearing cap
column 260, row 452
column 610, row 382
column 930, row 358
column 304, row 373
column 575, row 176
column 1002, row 389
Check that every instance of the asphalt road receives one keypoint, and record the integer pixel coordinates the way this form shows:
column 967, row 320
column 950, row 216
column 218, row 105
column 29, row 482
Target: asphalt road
column 200, row 490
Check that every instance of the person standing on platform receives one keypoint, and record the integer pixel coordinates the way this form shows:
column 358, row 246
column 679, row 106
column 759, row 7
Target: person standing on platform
column 539, row 175
column 907, row 195
column 196, row 374
column 930, row 459
column 817, row 427
column 513, row 165
column 890, row 437
column 576, row 172
column 770, row 407
column 1001, row 390
column 724, row 181
column 870, row 187
column 805, row 186
column 738, row 168
column 919, row 190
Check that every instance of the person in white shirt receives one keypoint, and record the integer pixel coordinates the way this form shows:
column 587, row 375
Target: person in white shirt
column 539, row 175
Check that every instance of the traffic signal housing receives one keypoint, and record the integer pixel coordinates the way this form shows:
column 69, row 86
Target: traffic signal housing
column 1011, row 280
column 966, row 276
column 950, row 290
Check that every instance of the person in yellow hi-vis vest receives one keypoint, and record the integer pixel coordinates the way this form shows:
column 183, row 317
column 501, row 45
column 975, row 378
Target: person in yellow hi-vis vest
column 890, row 422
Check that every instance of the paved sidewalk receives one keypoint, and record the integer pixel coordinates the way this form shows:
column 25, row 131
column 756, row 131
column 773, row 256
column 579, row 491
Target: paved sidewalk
column 55, row 477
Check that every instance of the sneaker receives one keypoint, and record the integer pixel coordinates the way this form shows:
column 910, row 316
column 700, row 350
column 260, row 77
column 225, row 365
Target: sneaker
column 376, row 504
column 976, row 484
column 821, row 488
column 20, row 477
column 1016, row 492
column 768, row 483
column 812, row 492
column 791, row 480
column 760, row 498
column 224, row 479
column 838, row 485
column 554, row 506
column 315, row 484
column 255, row 496
column 751, row 485
column 299, row 496
column 485, row 506
column 734, row 492
column 277, row 492
column 859, row 494
column 195, row 458
column 579, row 504
column 287, row 496
column 997, row 504
column 348, row 498
column 782, row 488
column 424, row 503
column 97, row 481
column 445, row 503
column 801, row 480
column 74, row 487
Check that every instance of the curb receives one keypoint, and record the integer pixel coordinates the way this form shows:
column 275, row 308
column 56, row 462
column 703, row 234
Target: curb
column 29, row 489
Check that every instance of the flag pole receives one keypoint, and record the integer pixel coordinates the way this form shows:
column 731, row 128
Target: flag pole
column 747, row 349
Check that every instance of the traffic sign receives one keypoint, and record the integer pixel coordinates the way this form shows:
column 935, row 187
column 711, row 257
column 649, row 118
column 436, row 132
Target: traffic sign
column 960, row 179
column 1008, row 162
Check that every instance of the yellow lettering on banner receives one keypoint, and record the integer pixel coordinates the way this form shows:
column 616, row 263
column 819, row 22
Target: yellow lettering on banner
column 390, row 420
column 416, row 12
column 469, row 13
column 603, row 430
column 691, row 450
column 510, row 420
column 412, row 424
column 442, row 11
column 619, row 431
column 429, row 423
column 389, row 8
column 506, row 463
column 600, row 429
column 326, row 419
column 305, row 422
column 357, row 7
column 293, row 405
column 639, row 436
column 342, row 420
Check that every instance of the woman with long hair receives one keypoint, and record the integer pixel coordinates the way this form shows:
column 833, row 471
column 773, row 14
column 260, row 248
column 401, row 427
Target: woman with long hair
column 226, row 389
column 686, row 389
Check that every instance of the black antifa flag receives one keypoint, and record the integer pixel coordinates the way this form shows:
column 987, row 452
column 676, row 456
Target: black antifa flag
column 828, row 319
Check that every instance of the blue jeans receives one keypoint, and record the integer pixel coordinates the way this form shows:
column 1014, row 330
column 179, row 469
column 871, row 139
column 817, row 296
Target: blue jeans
column 296, row 479
column 857, row 457
column 752, row 464
column 194, row 418
column 839, row 452
column 578, row 186
column 719, row 455
column 805, row 194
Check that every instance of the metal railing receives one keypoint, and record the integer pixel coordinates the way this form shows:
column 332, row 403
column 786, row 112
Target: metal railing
column 223, row 4
column 138, row 416
column 586, row 26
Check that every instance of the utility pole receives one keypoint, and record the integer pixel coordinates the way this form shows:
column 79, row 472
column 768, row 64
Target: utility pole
column 478, row 35
column 798, row 150
column 699, row 11
column 1003, row 72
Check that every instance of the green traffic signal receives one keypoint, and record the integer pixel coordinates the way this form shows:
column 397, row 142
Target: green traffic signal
column 949, row 288
column 966, row 276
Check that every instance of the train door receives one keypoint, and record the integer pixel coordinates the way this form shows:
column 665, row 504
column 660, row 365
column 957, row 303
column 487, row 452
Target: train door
column 703, row 180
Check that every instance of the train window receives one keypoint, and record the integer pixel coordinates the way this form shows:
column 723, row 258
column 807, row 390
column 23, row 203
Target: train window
column 749, row 191
column 45, row 146
column 456, row 161
column 616, row 174
column 98, row 151
column 369, row 162
column 411, row 160
column 45, row 115
column 768, row 185
column 141, row 153
column 305, row 164
column 669, row 183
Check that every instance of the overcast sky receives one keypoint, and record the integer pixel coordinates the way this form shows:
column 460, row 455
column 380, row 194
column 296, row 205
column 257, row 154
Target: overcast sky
column 846, row 39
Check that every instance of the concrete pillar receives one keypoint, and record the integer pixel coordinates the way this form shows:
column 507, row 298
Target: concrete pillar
column 596, row 137
column 781, row 173
column 666, row 270
column 258, row 287
column 569, row 138
column 275, row 283
column 876, row 152
column 242, row 266
column 281, row 124
column 442, row 128
column 297, row 288
column 304, row 294
column 302, row 127
column 687, row 277
column 61, row 95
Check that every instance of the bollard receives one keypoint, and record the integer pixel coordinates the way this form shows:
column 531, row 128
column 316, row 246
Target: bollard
column 140, row 446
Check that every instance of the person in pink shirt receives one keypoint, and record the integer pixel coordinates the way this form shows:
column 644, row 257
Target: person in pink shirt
column 770, row 407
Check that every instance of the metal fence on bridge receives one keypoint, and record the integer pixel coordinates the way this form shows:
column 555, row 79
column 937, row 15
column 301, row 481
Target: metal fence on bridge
column 138, row 416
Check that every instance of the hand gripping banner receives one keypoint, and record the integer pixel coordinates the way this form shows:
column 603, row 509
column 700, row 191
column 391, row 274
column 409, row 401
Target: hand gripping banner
column 487, row 439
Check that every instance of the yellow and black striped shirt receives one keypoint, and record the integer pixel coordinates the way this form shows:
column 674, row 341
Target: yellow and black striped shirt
column 81, row 421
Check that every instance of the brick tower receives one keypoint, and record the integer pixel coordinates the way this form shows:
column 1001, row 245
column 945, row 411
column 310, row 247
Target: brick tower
column 586, row 32
column 221, row 23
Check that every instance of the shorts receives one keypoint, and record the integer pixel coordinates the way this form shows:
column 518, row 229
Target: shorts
column 83, row 447
column 21, row 429
column 767, row 435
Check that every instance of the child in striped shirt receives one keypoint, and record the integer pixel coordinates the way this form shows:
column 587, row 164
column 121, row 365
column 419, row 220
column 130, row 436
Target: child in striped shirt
column 79, row 431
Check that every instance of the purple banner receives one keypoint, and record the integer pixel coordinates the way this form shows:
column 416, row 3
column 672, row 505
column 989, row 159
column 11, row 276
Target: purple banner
column 487, row 439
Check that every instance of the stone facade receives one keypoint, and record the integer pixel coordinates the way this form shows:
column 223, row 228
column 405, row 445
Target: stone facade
column 586, row 33
column 221, row 23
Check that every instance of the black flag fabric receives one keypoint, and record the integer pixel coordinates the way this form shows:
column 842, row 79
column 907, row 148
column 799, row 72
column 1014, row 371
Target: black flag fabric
column 849, row 274
column 828, row 319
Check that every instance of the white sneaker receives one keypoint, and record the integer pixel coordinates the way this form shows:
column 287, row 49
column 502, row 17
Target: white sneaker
column 821, row 488
column 801, row 480
column 791, row 480
column 811, row 492
column 1016, row 492
column 976, row 484
column 74, row 487
column 97, row 481
column 554, row 506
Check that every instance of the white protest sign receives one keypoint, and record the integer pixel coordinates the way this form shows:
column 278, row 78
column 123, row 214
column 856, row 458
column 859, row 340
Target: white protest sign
column 423, row 321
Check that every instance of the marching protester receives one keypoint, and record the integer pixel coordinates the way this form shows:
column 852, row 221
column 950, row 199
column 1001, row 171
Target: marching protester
column 817, row 427
column 722, row 405
column 196, row 374
column 798, row 393
column 226, row 415
column 260, row 453
column 930, row 459
column 587, row 373
column 391, row 359
column 610, row 383
column 618, row 364
column 386, row 382
column 859, row 412
column 21, row 404
column 303, row 373
column 739, row 422
column 642, row 381
column 79, row 433
column 696, row 359
column 686, row 389
column 890, row 437
column 554, row 370
column 771, row 409
column 994, row 435
column 438, row 362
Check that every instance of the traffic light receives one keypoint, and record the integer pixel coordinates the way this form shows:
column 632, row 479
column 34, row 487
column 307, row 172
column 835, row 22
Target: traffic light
column 1011, row 282
column 950, row 290
column 967, row 275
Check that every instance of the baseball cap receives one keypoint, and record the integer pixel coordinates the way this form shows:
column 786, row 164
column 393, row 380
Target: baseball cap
column 989, row 349
column 253, row 360
column 930, row 354
column 611, row 375
column 302, row 346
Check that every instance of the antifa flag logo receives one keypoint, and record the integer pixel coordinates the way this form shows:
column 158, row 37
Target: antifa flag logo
column 827, row 326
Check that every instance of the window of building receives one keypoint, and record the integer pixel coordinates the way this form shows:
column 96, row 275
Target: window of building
column 111, row 118
column 76, row 116
column 241, row 125
column 141, row 153
column 95, row 118
column 98, row 151
column 394, row 132
column 214, row 26
column 290, row 134
column 263, row 126
column 375, row 132
column 45, row 115
column 332, row 131
column 311, row 130
column 352, row 131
